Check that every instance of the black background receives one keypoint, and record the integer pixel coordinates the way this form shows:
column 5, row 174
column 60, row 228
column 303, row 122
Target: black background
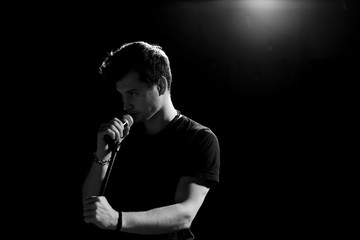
column 279, row 115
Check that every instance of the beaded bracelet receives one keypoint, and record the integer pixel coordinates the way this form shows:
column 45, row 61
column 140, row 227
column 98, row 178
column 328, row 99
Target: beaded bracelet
column 101, row 162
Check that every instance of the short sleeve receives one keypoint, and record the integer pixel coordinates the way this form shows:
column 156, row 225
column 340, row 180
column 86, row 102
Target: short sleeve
column 205, row 160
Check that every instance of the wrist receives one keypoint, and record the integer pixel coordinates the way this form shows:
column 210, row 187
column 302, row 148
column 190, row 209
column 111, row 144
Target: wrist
column 101, row 160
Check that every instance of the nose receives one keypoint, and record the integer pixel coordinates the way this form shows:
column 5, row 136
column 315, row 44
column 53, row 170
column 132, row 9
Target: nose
column 126, row 104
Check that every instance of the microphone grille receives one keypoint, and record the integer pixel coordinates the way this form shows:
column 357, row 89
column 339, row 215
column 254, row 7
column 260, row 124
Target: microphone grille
column 128, row 119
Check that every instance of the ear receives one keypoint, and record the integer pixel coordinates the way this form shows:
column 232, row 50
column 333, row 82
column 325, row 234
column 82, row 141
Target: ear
column 162, row 85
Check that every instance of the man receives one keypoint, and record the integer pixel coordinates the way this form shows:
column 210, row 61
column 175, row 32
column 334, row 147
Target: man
column 165, row 163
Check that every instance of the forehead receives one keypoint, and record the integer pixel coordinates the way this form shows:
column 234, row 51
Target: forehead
column 130, row 81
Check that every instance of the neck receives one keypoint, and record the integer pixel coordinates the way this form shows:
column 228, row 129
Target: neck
column 161, row 119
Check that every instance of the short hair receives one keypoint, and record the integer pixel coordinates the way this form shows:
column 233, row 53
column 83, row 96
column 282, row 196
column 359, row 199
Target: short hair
column 149, row 60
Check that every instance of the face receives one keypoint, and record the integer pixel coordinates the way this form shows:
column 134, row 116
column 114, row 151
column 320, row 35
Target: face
column 140, row 100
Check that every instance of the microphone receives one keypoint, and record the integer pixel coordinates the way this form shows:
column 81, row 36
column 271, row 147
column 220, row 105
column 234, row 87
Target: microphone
column 128, row 121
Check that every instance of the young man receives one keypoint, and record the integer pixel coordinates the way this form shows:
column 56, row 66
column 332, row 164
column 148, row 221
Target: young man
column 165, row 162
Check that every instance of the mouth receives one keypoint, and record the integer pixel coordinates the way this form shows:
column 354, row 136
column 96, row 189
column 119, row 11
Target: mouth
column 132, row 114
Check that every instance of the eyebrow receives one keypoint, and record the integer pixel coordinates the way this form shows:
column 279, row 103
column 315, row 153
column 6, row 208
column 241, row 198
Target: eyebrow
column 128, row 90
column 133, row 90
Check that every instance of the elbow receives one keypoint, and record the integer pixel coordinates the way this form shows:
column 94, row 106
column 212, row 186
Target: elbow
column 185, row 219
column 185, row 222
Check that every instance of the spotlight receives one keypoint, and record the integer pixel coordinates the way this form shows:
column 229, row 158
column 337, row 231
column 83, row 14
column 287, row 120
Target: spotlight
column 264, row 4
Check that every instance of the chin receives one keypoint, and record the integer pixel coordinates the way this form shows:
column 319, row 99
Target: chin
column 137, row 118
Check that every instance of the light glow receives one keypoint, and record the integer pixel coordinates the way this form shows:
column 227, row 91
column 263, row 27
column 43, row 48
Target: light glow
column 276, row 16
column 265, row 4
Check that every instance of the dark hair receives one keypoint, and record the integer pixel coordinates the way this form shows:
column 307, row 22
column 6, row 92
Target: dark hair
column 149, row 60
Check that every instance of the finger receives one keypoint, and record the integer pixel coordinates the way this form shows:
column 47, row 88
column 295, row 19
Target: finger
column 107, row 131
column 104, row 130
column 103, row 127
column 116, row 133
column 90, row 219
column 89, row 206
column 126, row 130
column 89, row 213
column 91, row 199
column 119, row 126
column 95, row 221
column 122, row 123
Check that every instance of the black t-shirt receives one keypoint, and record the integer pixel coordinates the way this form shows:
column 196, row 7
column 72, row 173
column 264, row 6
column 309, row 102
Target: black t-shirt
column 147, row 168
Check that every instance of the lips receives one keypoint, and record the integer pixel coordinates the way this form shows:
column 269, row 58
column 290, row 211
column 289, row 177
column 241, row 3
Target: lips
column 132, row 114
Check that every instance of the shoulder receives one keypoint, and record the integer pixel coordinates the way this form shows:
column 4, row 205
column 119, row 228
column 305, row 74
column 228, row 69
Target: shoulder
column 204, row 149
column 196, row 131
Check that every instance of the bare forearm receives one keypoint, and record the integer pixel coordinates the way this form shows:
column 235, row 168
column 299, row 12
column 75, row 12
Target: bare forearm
column 157, row 221
column 93, row 180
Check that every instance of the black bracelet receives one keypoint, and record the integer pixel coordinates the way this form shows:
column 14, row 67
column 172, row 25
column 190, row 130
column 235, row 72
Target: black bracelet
column 101, row 162
column 119, row 223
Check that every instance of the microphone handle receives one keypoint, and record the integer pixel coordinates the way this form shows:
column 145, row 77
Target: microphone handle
column 108, row 171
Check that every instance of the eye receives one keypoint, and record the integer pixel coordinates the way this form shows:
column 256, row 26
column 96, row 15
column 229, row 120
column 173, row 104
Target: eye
column 132, row 93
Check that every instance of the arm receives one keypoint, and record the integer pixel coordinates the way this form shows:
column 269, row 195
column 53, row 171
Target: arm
column 117, row 131
column 189, row 197
column 93, row 181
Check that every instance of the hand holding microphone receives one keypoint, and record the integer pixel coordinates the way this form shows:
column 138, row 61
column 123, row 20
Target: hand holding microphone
column 109, row 137
column 112, row 133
